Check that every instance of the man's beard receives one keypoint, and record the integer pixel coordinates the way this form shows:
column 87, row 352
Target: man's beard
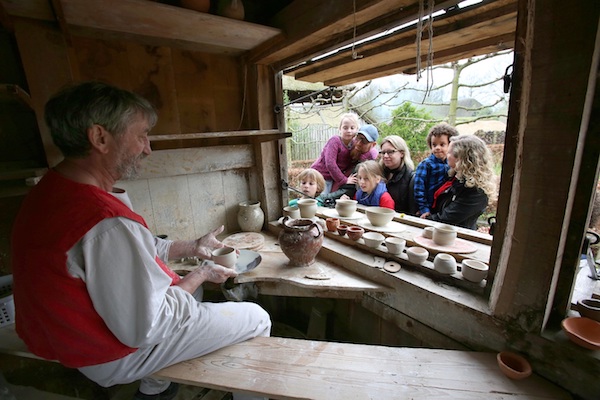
column 128, row 169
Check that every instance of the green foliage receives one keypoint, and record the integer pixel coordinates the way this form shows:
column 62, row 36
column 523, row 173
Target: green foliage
column 411, row 124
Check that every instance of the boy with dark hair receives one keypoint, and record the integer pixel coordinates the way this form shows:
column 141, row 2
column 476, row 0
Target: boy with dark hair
column 432, row 171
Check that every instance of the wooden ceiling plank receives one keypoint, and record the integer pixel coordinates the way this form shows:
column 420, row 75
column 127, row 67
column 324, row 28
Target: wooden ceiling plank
column 385, row 51
column 34, row 9
column 157, row 22
column 476, row 48
column 314, row 41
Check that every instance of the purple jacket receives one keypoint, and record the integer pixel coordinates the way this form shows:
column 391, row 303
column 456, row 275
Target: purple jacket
column 335, row 162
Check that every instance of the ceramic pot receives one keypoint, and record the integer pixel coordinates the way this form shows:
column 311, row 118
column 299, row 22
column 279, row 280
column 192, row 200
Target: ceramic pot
column 291, row 211
column 300, row 240
column 395, row 245
column 589, row 308
column 474, row 270
column 332, row 224
column 417, row 255
column 373, row 239
column 427, row 232
column 308, row 207
column 444, row 235
column 513, row 365
column 444, row 263
column 355, row 232
column 379, row 216
column 231, row 9
column 346, row 208
column 342, row 229
column 250, row 216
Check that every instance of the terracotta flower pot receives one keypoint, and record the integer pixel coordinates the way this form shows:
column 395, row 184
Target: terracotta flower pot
column 513, row 365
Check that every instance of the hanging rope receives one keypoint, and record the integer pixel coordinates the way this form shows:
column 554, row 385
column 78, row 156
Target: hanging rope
column 354, row 54
column 419, row 36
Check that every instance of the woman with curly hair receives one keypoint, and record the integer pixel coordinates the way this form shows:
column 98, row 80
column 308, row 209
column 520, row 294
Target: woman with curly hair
column 464, row 196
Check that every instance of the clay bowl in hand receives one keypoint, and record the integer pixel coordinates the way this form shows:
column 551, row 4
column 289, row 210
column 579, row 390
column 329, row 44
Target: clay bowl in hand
column 417, row 255
column 373, row 239
column 582, row 331
column 589, row 308
column 513, row 365
column 379, row 216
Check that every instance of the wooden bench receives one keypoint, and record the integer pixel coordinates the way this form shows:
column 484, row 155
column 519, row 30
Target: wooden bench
column 281, row 368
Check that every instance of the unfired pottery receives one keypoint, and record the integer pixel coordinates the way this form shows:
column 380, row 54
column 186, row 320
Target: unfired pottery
column 300, row 240
column 250, row 216
column 308, row 207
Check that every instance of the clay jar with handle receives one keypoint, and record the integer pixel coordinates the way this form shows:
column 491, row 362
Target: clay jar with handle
column 300, row 240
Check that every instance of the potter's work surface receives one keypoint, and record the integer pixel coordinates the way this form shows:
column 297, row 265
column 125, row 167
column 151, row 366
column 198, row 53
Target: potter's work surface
column 245, row 240
column 460, row 246
column 390, row 227
column 331, row 213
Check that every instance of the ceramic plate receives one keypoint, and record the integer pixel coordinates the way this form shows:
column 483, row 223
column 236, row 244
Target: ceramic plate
column 247, row 261
column 331, row 213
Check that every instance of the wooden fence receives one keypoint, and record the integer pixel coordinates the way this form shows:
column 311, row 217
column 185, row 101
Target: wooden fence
column 306, row 144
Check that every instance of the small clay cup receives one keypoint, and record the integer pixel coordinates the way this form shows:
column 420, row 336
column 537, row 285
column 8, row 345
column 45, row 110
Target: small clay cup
column 355, row 232
column 513, row 365
column 342, row 229
column 225, row 256
column 373, row 239
column 291, row 211
column 427, row 232
column 444, row 263
column 444, row 235
column 417, row 255
column 332, row 224
column 395, row 245
column 474, row 270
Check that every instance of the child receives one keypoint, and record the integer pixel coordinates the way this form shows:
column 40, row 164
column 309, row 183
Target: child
column 335, row 162
column 432, row 171
column 372, row 190
column 312, row 184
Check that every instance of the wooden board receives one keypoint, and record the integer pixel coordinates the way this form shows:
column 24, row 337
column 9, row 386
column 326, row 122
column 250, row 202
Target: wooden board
column 460, row 246
column 281, row 368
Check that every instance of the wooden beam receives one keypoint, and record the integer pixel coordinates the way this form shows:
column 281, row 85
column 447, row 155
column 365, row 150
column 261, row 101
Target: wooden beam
column 164, row 25
column 399, row 49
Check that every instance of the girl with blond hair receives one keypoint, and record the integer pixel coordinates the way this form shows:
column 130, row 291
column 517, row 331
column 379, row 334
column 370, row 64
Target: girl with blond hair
column 464, row 196
column 371, row 186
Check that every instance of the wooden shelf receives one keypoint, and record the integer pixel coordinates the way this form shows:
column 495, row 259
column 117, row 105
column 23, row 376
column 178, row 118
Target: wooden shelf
column 148, row 22
column 188, row 140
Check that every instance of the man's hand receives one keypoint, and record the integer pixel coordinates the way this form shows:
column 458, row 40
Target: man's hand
column 207, row 243
column 208, row 271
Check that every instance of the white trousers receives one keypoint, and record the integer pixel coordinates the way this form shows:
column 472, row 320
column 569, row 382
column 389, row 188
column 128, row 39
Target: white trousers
column 217, row 325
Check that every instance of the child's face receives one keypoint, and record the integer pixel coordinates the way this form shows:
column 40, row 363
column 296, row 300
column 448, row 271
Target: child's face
column 308, row 187
column 365, row 183
column 348, row 130
column 439, row 146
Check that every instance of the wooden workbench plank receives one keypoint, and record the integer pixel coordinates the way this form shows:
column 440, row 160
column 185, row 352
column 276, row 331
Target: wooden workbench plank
column 283, row 368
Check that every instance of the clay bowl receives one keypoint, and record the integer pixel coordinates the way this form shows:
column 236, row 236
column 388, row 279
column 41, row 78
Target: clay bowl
column 345, row 208
column 355, row 232
column 444, row 235
column 589, row 308
column 513, row 365
column 582, row 331
column 379, row 216
column 342, row 229
column 444, row 263
column 373, row 239
column 474, row 270
column 417, row 255
column 395, row 245
column 332, row 224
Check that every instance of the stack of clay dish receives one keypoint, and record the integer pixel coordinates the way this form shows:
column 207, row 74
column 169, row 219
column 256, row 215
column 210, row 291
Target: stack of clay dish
column 513, row 365
column 379, row 216
column 395, row 245
column 474, row 270
column 444, row 264
column 589, row 308
column 444, row 235
column 355, row 232
column 345, row 208
column 583, row 331
column 417, row 255
column 373, row 239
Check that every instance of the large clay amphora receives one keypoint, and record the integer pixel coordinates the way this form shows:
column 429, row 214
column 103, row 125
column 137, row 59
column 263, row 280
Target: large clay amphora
column 300, row 240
